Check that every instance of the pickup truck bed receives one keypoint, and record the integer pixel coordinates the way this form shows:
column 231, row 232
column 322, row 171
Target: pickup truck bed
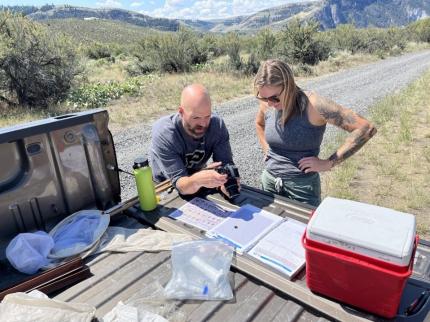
column 260, row 292
column 55, row 167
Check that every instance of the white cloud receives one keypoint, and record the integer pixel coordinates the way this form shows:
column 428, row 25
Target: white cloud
column 211, row 9
column 136, row 4
column 109, row 3
column 243, row 7
column 173, row 3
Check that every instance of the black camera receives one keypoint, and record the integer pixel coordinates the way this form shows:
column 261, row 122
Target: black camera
column 232, row 173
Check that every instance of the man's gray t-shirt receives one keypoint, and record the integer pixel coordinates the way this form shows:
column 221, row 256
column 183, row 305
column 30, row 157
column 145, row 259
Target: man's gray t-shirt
column 174, row 153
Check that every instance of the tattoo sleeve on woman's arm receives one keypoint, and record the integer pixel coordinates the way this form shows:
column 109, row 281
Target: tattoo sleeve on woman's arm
column 360, row 129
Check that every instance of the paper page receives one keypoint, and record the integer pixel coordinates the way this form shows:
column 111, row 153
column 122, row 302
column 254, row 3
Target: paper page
column 244, row 227
column 282, row 247
column 201, row 213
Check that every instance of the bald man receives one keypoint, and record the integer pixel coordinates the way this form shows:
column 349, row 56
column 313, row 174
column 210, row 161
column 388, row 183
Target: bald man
column 183, row 143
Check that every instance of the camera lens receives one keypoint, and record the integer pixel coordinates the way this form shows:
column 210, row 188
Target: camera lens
column 232, row 187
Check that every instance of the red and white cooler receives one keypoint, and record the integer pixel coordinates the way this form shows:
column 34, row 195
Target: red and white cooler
column 360, row 254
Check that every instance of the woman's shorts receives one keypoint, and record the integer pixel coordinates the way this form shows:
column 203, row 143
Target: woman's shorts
column 305, row 189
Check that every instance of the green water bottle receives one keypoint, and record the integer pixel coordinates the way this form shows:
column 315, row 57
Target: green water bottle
column 145, row 185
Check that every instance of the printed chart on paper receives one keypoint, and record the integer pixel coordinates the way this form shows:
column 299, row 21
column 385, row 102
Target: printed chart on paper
column 201, row 213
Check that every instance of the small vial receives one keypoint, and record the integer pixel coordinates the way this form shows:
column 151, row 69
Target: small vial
column 211, row 273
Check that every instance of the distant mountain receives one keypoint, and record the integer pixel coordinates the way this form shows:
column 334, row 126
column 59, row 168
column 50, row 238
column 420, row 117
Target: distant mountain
column 273, row 17
column 135, row 18
column 329, row 13
column 372, row 13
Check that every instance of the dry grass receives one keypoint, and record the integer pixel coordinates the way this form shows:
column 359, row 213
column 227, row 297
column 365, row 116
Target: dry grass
column 103, row 71
column 414, row 46
column 342, row 60
column 161, row 95
column 393, row 169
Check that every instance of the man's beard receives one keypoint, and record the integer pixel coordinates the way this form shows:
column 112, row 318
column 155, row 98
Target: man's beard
column 196, row 131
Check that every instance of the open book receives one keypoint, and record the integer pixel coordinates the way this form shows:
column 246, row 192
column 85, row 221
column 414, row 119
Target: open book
column 269, row 238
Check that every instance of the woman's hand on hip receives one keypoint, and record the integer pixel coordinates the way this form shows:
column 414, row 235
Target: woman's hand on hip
column 314, row 164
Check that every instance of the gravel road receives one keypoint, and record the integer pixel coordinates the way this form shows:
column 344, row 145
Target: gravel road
column 357, row 88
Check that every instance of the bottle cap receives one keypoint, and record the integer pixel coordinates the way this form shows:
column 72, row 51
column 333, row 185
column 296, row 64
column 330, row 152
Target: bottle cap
column 140, row 162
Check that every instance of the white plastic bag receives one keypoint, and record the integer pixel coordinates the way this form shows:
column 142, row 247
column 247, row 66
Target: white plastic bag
column 200, row 271
column 37, row 307
column 151, row 298
column 128, row 313
column 28, row 252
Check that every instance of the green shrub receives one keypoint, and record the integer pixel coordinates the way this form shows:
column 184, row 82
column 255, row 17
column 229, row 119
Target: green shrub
column 95, row 95
column 211, row 44
column 251, row 65
column 36, row 67
column 171, row 52
column 370, row 40
column 98, row 51
column 420, row 30
column 265, row 44
column 136, row 68
column 232, row 46
column 346, row 37
column 300, row 44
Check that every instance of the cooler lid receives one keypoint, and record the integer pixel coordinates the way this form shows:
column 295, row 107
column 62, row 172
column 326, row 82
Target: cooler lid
column 376, row 228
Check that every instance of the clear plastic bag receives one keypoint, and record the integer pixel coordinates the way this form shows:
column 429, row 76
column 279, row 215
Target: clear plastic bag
column 200, row 271
column 28, row 252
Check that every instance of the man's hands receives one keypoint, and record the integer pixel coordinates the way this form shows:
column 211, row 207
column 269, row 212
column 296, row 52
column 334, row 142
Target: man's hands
column 210, row 178
column 205, row 178
column 224, row 190
column 314, row 164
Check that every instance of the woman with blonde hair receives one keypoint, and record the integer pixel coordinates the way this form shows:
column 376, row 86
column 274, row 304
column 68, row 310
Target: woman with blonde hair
column 290, row 125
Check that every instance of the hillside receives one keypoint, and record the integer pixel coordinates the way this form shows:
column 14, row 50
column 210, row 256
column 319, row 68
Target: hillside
column 329, row 13
column 273, row 17
column 103, row 31
column 135, row 18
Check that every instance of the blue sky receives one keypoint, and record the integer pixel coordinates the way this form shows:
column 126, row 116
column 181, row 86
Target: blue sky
column 189, row 9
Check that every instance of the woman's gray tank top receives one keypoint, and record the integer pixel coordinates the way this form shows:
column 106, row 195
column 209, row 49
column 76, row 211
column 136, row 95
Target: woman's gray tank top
column 289, row 143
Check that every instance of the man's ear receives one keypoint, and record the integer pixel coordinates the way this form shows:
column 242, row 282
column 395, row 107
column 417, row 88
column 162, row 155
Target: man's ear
column 181, row 110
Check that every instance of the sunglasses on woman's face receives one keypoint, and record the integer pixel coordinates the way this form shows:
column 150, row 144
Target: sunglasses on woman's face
column 272, row 99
